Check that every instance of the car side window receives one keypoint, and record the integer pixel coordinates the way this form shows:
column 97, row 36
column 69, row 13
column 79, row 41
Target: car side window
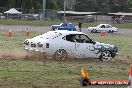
column 64, row 24
column 108, row 26
column 103, row 26
column 70, row 38
column 79, row 38
column 82, row 38
column 70, row 25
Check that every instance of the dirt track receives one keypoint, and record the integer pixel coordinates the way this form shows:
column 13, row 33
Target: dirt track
column 47, row 28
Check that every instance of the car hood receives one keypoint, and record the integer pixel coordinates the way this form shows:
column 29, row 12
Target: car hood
column 102, row 47
column 105, row 45
column 91, row 27
column 114, row 27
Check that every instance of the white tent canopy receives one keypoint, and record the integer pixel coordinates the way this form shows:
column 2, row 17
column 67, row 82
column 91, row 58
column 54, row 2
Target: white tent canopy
column 13, row 11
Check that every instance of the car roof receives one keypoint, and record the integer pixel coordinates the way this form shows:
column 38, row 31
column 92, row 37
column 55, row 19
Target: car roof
column 104, row 24
column 65, row 32
column 54, row 34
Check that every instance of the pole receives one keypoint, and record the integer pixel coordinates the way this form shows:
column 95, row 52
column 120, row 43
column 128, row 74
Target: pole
column 64, row 10
column 44, row 7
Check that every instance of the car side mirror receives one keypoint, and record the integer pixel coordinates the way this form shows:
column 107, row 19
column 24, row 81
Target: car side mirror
column 94, row 42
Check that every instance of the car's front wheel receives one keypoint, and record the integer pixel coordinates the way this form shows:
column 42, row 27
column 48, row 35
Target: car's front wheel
column 110, row 31
column 106, row 56
column 60, row 55
column 94, row 31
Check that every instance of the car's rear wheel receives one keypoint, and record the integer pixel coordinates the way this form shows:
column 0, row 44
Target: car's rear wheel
column 60, row 55
column 106, row 56
column 112, row 31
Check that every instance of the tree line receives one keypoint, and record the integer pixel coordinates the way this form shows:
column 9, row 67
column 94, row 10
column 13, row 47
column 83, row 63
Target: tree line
column 76, row 5
column 103, row 5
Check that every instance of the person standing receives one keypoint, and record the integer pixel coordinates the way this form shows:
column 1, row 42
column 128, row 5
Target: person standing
column 80, row 26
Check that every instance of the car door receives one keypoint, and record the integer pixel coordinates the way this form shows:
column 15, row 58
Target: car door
column 101, row 28
column 75, row 45
column 108, row 28
column 84, row 46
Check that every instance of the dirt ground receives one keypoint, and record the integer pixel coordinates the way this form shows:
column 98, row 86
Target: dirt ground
column 22, row 55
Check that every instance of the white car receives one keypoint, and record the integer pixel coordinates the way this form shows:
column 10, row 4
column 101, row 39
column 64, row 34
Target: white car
column 62, row 44
column 103, row 27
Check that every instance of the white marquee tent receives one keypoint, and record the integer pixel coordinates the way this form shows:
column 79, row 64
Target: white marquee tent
column 13, row 11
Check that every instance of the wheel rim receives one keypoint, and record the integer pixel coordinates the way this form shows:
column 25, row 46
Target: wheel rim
column 94, row 30
column 106, row 56
column 60, row 55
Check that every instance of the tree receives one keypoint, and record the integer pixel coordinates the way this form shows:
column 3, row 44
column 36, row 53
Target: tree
column 104, row 6
column 119, row 5
column 3, row 3
column 51, row 4
column 85, row 5
column 130, row 5
column 32, row 5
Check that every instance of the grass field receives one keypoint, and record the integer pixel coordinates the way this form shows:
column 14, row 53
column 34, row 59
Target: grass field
column 18, row 71
column 49, row 23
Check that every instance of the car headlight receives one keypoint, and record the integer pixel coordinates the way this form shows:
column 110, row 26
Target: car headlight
column 115, row 48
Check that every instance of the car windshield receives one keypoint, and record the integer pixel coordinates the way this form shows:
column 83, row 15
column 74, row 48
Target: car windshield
column 101, row 25
column 70, row 24
column 49, row 35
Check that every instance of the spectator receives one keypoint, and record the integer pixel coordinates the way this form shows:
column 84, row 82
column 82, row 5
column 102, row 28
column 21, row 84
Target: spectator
column 65, row 23
column 80, row 26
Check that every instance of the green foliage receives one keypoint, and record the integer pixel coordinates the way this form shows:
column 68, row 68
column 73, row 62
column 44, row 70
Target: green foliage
column 85, row 5
column 130, row 3
column 32, row 4
column 102, row 5
column 77, row 5
column 51, row 4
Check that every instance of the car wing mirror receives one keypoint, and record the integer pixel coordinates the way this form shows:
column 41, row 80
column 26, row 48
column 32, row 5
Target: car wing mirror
column 94, row 42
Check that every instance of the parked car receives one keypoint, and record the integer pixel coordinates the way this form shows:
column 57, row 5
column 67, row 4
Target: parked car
column 64, row 26
column 103, row 27
column 2, row 16
column 70, row 44
column 30, row 16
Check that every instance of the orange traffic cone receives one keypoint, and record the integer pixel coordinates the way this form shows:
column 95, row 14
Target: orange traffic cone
column 10, row 34
column 104, row 33
column 130, row 77
column 27, row 33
